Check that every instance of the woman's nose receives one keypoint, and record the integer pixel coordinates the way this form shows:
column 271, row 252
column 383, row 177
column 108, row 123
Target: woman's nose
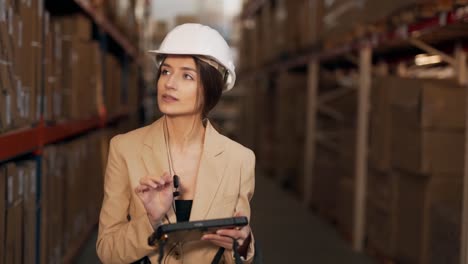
column 171, row 82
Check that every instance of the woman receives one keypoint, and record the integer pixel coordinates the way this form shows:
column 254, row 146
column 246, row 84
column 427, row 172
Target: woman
column 216, row 174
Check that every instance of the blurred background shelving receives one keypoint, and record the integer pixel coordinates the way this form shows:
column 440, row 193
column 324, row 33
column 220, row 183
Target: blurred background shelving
column 355, row 109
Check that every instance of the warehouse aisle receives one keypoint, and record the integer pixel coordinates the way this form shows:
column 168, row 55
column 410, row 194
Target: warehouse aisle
column 290, row 234
column 287, row 233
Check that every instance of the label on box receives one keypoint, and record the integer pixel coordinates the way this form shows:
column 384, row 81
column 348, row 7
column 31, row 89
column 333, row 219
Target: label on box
column 10, row 20
column 8, row 109
column 20, row 33
column 20, row 182
column 10, row 189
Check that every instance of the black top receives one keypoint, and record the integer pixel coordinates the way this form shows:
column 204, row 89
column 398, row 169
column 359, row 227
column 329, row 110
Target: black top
column 183, row 209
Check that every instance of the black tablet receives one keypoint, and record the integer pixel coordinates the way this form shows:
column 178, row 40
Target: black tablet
column 194, row 230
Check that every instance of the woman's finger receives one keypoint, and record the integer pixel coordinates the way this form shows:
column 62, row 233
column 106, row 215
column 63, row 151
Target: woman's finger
column 224, row 245
column 159, row 182
column 234, row 233
column 141, row 189
column 219, row 240
column 147, row 181
column 167, row 178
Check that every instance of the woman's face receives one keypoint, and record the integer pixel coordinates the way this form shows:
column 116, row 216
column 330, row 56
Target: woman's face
column 178, row 87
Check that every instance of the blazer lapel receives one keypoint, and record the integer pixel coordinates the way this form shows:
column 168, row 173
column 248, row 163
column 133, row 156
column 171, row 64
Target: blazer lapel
column 155, row 157
column 210, row 174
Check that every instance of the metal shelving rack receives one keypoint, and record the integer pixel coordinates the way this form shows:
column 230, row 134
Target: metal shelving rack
column 444, row 26
column 27, row 141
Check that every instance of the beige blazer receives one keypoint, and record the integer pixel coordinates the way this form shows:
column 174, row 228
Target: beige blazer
column 225, row 185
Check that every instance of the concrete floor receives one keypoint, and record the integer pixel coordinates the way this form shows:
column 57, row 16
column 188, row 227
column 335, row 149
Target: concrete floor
column 286, row 231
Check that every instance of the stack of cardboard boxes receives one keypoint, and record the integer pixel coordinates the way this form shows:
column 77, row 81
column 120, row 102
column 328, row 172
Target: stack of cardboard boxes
column 290, row 116
column 417, row 139
column 263, row 114
column 278, row 29
column 20, row 67
column 71, row 187
column 18, row 211
column 72, row 62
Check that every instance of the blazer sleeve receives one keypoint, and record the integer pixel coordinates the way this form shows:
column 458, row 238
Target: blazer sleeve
column 120, row 240
column 246, row 192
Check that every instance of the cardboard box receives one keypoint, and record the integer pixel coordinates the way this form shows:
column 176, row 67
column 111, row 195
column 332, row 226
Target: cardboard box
column 342, row 17
column 10, row 245
column 13, row 247
column 326, row 180
column 289, row 129
column 310, row 21
column 49, row 68
column 9, row 111
column 30, row 212
column 382, row 229
column 292, row 26
column 382, row 212
column 12, row 183
column 427, row 152
column 3, row 208
column 45, row 206
column 160, row 30
column 83, row 28
column 183, row 19
column 381, row 123
column 416, row 196
column 428, row 104
column 383, row 188
column 266, row 32
column 445, row 229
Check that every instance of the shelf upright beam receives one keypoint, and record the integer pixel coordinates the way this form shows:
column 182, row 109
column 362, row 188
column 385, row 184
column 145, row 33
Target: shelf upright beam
column 311, row 120
column 365, row 69
column 462, row 78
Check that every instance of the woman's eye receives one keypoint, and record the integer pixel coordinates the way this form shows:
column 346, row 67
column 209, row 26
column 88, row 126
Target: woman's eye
column 188, row 77
column 164, row 72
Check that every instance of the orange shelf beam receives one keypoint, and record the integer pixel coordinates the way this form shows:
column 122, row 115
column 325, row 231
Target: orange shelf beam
column 64, row 130
column 19, row 142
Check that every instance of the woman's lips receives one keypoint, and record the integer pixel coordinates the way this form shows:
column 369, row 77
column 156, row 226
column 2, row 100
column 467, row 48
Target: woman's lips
column 169, row 99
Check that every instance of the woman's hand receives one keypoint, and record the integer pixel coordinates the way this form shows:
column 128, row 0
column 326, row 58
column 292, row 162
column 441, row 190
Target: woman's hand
column 223, row 237
column 156, row 195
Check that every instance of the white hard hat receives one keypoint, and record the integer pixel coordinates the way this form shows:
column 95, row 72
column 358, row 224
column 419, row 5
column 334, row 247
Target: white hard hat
column 203, row 41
